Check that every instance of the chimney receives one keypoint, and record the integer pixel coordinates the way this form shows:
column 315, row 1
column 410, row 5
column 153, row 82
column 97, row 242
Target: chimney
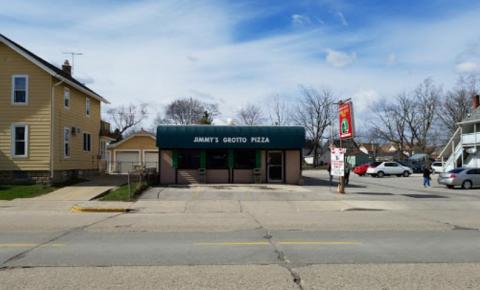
column 475, row 102
column 67, row 68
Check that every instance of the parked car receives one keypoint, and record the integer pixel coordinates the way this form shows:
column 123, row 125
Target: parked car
column 465, row 177
column 437, row 167
column 380, row 169
column 361, row 169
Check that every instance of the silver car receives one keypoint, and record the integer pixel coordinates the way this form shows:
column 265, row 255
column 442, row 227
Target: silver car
column 465, row 177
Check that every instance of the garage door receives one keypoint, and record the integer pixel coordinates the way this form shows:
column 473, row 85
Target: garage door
column 151, row 159
column 126, row 161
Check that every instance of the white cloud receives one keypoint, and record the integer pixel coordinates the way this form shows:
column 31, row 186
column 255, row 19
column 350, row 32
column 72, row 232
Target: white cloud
column 343, row 20
column 340, row 59
column 300, row 20
column 157, row 51
column 364, row 98
column 468, row 67
column 391, row 59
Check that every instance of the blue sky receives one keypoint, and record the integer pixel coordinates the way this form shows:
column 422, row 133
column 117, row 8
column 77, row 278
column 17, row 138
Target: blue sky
column 238, row 52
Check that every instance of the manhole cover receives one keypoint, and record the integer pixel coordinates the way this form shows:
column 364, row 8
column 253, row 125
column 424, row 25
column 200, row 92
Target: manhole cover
column 424, row 195
column 374, row 193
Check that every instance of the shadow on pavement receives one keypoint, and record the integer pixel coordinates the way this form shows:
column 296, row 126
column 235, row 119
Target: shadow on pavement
column 311, row 181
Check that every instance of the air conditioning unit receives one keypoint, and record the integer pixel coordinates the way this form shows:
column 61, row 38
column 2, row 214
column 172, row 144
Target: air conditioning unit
column 75, row 130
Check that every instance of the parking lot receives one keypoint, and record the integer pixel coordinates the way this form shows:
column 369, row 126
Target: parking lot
column 316, row 188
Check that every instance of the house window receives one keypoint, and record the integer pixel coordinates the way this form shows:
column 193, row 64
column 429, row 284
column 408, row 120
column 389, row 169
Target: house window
column 87, row 106
column 87, row 142
column 66, row 98
column 19, row 140
column 66, row 142
column 20, row 89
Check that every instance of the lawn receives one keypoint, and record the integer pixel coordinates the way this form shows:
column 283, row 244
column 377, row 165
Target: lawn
column 119, row 194
column 9, row 192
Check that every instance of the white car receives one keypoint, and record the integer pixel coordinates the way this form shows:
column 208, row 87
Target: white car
column 437, row 167
column 380, row 169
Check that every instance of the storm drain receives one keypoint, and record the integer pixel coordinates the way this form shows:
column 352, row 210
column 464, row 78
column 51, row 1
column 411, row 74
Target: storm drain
column 374, row 193
column 424, row 195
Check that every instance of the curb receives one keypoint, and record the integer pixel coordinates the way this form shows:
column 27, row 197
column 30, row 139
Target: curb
column 77, row 208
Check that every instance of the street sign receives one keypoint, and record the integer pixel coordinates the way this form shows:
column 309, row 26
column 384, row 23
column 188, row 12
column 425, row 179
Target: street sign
column 337, row 161
column 345, row 119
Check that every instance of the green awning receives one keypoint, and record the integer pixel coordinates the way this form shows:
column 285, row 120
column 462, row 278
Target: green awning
column 230, row 137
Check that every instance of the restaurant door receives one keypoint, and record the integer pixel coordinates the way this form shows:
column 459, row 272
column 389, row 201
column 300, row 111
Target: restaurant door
column 275, row 166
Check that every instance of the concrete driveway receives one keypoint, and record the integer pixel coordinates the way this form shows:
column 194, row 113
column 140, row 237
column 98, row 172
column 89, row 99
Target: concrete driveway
column 86, row 190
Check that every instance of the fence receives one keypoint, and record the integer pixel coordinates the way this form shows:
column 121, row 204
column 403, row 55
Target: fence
column 139, row 179
column 124, row 167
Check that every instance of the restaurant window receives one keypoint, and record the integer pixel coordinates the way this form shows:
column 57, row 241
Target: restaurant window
column 217, row 159
column 245, row 159
column 188, row 159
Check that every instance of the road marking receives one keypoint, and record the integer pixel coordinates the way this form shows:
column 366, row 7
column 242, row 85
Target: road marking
column 28, row 245
column 292, row 243
column 307, row 243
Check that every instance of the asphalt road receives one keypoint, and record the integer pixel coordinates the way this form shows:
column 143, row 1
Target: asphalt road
column 388, row 233
column 83, row 248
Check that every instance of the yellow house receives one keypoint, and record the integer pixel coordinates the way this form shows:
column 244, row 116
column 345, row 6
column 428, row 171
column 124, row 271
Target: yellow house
column 138, row 149
column 50, row 124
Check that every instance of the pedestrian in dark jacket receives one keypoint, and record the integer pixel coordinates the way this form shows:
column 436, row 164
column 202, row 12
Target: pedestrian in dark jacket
column 426, row 176
column 329, row 169
column 347, row 173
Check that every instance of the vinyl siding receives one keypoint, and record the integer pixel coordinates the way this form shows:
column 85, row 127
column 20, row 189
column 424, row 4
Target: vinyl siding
column 36, row 114
column 137, row 142
column 76, row 117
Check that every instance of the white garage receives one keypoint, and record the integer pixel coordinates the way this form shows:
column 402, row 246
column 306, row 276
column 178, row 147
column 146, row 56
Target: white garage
column 137, row 149
column 126, row 160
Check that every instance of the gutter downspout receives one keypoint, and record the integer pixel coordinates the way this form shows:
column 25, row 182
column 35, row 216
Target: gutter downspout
column 52, row 129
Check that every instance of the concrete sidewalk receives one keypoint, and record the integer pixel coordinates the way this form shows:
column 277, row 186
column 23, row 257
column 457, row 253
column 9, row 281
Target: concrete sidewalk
column 86, row 190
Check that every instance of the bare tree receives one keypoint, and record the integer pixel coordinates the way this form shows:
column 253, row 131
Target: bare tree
column 389, row 123
column 127, row 117
column 280, row 113
column 409, row 120
column 250, row 115
column 189, row 111
column 315, row 112
column 456, row 103
column 426, row 98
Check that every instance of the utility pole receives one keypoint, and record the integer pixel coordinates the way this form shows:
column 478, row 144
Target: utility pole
column 72, row 57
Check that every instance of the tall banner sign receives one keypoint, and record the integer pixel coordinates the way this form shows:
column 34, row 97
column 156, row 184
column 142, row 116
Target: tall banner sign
column 337, row 161
column 345, row 119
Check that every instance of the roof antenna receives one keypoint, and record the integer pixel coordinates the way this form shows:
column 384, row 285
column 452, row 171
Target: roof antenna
column 72, row 57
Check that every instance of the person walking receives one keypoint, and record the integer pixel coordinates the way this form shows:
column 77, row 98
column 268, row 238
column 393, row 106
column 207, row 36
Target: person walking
column 426, row 176
column 347, row 173
column 329, row 169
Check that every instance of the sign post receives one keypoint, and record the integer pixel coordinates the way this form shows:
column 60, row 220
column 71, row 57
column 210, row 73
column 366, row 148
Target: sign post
column 346, row 131
column 337, row 160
